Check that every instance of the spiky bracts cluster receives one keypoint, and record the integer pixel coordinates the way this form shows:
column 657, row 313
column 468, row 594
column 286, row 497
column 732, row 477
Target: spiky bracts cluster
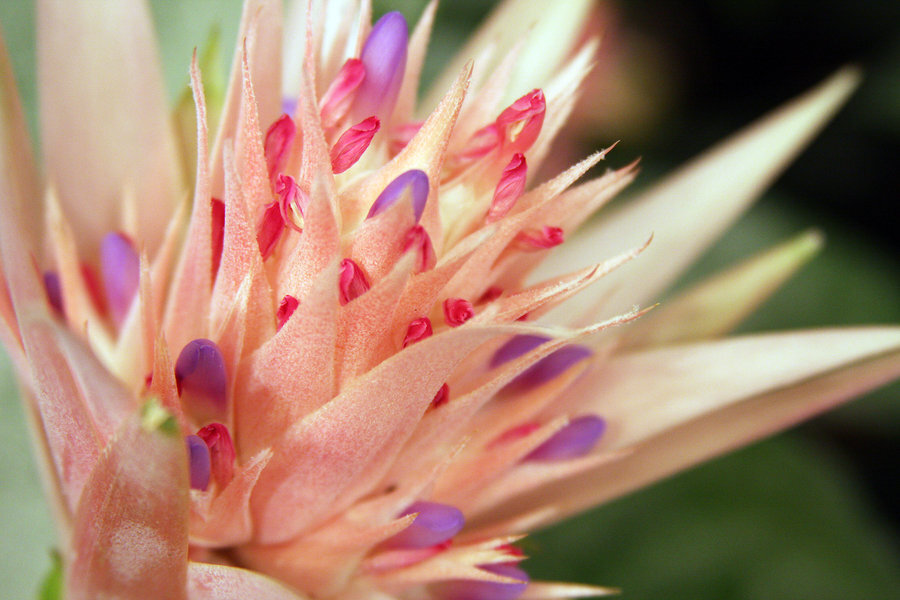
column 328, row 367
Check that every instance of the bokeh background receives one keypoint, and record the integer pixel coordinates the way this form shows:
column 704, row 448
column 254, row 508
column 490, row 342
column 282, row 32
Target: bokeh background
column 812, row 513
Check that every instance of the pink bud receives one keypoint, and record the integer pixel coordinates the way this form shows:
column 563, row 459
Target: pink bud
column 417, row 239
column 291, row 194
column 510, row 187
column 442, row 396
column 457, row 311
column 340, row 94
column 269, row 230
column 521, row 122
column 352, row 283
column 547, row 237
column 221, row 452
column 352, row 143
column 217, row 234
column 279, row 138
column 285, row 309
column 418, row 330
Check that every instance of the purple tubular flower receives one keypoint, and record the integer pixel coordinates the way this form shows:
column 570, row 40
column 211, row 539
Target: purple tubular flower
column 54, row 291
column 202, row 381
column 384, row 59
column 121, row 269
column 199, row 462
column 415, row 181
column 545, row 369
column 471, row 589
column 576, row 439
column 516, row 347
column 551, row 366
column 435, row 523
column 289, row 105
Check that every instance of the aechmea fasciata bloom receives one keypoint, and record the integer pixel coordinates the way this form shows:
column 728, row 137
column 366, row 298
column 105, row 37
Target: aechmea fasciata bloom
column 343, row 368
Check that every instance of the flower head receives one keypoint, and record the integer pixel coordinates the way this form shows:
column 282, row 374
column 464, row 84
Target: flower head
column 345, row 369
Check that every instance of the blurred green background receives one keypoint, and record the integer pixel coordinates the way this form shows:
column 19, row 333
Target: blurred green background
column 809, row 514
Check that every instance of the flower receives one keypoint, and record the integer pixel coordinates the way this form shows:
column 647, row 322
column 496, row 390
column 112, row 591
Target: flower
column 329, row 374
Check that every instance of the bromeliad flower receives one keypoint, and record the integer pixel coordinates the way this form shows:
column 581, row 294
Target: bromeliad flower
column 343, row 367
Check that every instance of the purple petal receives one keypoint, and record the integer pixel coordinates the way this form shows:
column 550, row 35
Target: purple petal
column 54, row 291
column 202, row 380
column 470, row 589
column 384, row 59
column 289, row 105
column 576, row 439
column 415, row 181
column 435, row 523
column 516, row 347
column 121, row 269
column 199, row 462
column 551, row 366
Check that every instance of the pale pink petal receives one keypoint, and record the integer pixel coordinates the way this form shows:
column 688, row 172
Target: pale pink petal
column 248, row 147
column 259, row 35
column 104, row 121
column 689, row 210
column 221, row 582
column 130, row 531
column 323, row 560
column 190, row 292
column 241, row 260
column 226, row 520
column 550, row 37
column 18, row 163
column 292, row 374
column 703, row 407
column 548, row 590
column 719, row 303
column 345, row 443
column 418, row 44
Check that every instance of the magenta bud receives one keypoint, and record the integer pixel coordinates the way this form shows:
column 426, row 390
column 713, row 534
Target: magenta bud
column 576, row 439
column 221, row 452
column 517, row 346
column 415, row 182
column 53, row 288
column 434, row 524
column 384, row 59
column 121, row 269
column 199, row 463
column 202, row 380
column 471, row 589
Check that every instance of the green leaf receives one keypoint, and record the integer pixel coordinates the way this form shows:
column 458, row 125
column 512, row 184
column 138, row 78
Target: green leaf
column 51, row 588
